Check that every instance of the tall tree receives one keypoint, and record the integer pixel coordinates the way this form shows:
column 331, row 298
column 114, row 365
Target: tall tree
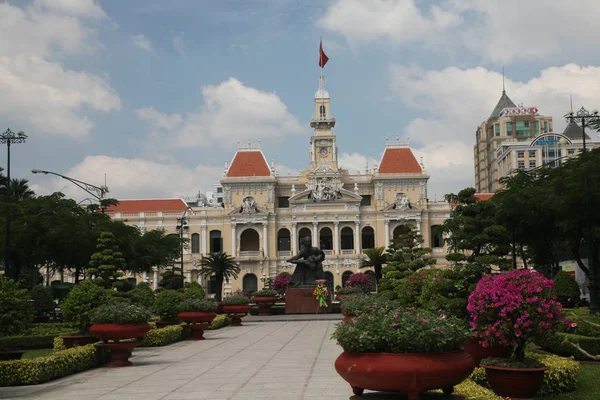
column 376, row 258
column 107, row 262
column 19, row 189
column 223, row 266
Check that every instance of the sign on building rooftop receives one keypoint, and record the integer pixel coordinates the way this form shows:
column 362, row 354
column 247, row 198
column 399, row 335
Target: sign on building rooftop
column 518, row 111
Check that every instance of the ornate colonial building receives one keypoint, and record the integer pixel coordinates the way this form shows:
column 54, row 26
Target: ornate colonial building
column 264, row 215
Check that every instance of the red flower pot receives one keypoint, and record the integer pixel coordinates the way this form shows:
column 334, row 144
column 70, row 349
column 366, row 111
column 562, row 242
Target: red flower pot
column 11, row 355
column 71, row 341
column 517, row 383
column 264, row 304
column 119, row 353
column 197, row 321
column 116, row 332
column 236, row 313
column 411, row 374
column 478, row 352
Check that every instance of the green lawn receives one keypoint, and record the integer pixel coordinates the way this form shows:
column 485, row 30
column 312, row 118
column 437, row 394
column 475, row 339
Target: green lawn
column 36, row 353
column 588, row 385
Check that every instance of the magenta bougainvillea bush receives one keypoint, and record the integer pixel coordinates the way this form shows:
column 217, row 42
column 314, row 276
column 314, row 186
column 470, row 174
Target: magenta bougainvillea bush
column 508, row 309
column 281, row 283
column 360, row 281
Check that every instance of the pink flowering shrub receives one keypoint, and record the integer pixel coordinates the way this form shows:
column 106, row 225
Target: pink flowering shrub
column 281, row 283
column 508, row 309
column 360, row 281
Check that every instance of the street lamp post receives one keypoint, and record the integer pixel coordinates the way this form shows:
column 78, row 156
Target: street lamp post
column 9, row 137
column 585, row 118
column 182, row 226
column 97, row 191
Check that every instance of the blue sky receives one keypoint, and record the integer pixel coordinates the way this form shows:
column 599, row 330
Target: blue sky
column 155, row 94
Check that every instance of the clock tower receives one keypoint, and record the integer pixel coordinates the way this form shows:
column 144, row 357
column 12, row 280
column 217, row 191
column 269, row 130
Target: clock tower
column 323, row 149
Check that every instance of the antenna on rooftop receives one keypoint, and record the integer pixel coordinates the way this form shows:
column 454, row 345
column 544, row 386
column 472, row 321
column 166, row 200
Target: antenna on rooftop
column 571, row 96
column 503, row 88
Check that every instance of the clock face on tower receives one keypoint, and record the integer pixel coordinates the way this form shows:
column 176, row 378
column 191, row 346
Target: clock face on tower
column 323, row 151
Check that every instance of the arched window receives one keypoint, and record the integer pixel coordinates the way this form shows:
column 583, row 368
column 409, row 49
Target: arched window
column 283, row 240
column 399, row 233
column 325, row 239
column 195, row 243
column 250, row 283
column 329, row 277
column 304, row 232
column 322, row 113
column 347, row 238
column 249, row 240
column 368, row 238
column 216, row 242
column 345, row 276
column 436, row 236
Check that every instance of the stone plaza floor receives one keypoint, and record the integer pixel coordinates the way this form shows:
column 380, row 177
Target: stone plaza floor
column 260, row 360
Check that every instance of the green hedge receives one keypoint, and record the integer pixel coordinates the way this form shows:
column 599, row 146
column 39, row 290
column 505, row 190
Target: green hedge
column 560, row 378
column 254, row 310
column 44, row 369
column 555, row 343
column 26, row 342
column 278, row 310
column 163, row 336
column 472, row 391
column 220, row 321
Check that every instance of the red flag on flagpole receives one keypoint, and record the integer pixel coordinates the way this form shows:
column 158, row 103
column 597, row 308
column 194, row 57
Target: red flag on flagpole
column 322, row 56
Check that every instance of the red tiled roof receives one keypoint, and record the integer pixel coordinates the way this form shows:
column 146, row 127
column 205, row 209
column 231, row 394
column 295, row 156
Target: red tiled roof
column 247, row 164
column 148, row 205
column 483, row 196
column 399, row 161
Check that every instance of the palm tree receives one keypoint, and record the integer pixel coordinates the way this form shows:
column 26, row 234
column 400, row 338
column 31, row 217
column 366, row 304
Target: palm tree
column 19, row 189
column 376, row 257
column 223, row 266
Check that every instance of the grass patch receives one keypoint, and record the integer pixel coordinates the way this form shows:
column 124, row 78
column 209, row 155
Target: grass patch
column 31, row 354
column 588, row 385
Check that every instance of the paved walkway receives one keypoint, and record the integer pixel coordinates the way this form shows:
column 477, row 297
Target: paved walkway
column 261, row 360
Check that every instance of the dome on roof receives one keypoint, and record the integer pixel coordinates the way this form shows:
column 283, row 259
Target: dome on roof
column 321, row 93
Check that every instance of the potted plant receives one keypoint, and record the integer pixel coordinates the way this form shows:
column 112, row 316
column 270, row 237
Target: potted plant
column 265, row 299
column 352, row 304
column 509, row 309
column 341, row 292
column 236, row 307
column 402, row 350
column 166, row 307
column 281, row 283
column 198, row 314
column 116, row 321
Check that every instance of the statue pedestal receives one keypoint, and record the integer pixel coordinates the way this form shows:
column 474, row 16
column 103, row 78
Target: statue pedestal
column 302, row 301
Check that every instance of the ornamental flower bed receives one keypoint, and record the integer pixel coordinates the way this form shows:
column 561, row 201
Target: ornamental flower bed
column 360, row 281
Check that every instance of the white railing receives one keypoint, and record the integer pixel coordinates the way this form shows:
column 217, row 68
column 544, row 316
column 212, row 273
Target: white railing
column 437, row 250
column 284, row 253
column 348, row 251
column 328, row 252
column 251, row 253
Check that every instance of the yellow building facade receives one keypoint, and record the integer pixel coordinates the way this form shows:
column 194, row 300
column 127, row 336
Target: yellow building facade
column 264, row 215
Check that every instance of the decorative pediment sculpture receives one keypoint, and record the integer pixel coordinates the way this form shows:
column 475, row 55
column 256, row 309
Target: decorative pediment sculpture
column 402, row 202
column 324, row 189
column 248, row 205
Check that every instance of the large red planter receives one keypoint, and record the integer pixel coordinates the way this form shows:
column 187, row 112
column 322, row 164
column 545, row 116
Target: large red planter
column 236, row 313
column 119, row 353
column 411, row 374
column 117, row 332
column 264, row 304
column 516, row 383
column 164, row 324
column 478, row 352
column 197, row 321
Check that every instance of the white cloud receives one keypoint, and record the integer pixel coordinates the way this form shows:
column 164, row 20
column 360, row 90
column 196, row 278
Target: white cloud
column 496, row 31
column 179, row 45
column 158, row 119
column 134, row 178
column 141, row 42
column 454, row 102
column 34, row 88
column 231, row 112
column 356, row 162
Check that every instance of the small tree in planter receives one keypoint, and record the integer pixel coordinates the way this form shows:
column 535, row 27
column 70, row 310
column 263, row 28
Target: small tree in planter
column 107, row 261
column 236, row 307
column 78, row 305
column 566, row 289
column 198, row 314
column 509, row 309
column 265, row 299
column 281, row 283
column 360, row 281
column 166, row 307
column 117, row 321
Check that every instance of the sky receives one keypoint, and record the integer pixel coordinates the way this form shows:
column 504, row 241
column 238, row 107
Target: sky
column 154, row 95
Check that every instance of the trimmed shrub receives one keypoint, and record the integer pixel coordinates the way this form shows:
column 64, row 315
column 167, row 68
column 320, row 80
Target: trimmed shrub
column 561, row 376
column 195, row 291
column 472, row 391
column 52, row 329
column 278, row 310
column 58, row 344
column 166, row 304
column 235, row 300
column 44, row 369
column 254, row 310
column 220, row 321
column 26, row 342
column 43, row 302
column 163, row 336
column 82, row 299
column 555, row 343
column 16, row 309
column 579, row 316
column 566, row 288
column 143, row 296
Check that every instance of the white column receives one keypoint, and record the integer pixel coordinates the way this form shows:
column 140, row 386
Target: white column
column 419, row 231
column 145, row 277
column 294, row 239
column 387, row 234
column 336, row 236
column 189, row 276
column 315, row 233
column 203, row 239
column 265, row 239
column 47, row 276
column 155, row 277
column 357, row 237
column 233, row 240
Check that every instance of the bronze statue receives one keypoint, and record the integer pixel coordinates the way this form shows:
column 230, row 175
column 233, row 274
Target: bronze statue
column 310, row 268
